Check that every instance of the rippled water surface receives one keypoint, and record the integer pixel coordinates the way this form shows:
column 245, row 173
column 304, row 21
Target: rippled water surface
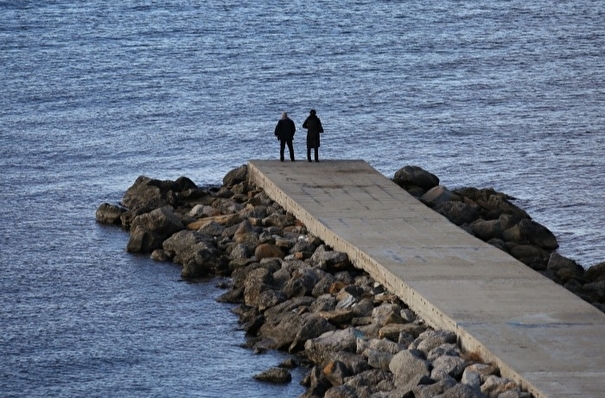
column 95, row 93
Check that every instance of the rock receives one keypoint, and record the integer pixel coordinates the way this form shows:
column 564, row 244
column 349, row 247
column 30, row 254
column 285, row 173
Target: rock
column 487, row 229
column 595, row 290
column 379, row 359
column 149, row 230
column 372, row 381
column 277, row 220
column 320, row 348
column 336, row 372
column 530, row 255
column 408, row 369
column 109, row 214
column 452, row 366
column 256, row 281
column 212, row 228
column 383, row 345
column 415, row 176
column 494, row 386
column 313, row 326
column 270, row 298
column 148, row 194
column 461, row 391
column 236, row 176
column 435, row 389
column 328, row 258
column 161, row 255
column 295, row 304
column 564, row 268
column 596, row 273
column 185, row 243
column 316, row 382
column 240, row 251
column 202, row 263
column 387, row 313
column 341, row 391
column 438, row 195
column 323, row 285
column 493, row 204
column 531, row 232
column 355, row 363
column 227, row 220
column 302, row 282
column 275, row 376
column 458, row 213
column 471, row 378
column 289, row 363
column 266, row 250
column 281, row 332
column 338, row 317
column 393, row 331
column 450, row 349
column 431, row 339
column 477, row 371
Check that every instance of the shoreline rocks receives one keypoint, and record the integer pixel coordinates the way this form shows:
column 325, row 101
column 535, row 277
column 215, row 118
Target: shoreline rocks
column 293, row 293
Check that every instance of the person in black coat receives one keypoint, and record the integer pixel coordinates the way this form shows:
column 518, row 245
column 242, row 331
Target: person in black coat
column 314, row 128
column 284, row 131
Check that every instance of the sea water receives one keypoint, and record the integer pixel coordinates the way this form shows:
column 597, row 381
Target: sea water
column 95, row 93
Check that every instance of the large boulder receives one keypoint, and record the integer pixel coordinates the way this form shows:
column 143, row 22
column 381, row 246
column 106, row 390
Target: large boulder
column 149, row 230
column 438, row 195
column 564, row 268
column 202, row 263
column 492, row 203
column 530, row 255
column 408, row 369
column 148, row 193
column 322, row 347
column 267, row 250
column 236, row 176
column 109, row 214
column 410, row 176
column 274, row 376
column 458, row 213
column 487, row 229
column 325, row 258
column 257, row 281
column 303, row 281
column 596, row 273
column 532, row 232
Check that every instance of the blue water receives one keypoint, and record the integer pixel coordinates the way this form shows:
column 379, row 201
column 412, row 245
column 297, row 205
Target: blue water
column 504, row 94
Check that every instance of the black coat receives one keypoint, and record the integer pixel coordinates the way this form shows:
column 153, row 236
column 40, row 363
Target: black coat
column 314, row 128
column 285, row 129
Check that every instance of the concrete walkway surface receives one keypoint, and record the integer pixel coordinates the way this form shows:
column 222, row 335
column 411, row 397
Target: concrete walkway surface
column 538, row 333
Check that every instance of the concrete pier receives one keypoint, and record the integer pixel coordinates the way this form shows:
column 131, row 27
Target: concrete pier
column 538, row 333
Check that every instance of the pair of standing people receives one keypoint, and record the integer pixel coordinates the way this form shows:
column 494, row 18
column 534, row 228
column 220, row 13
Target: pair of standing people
column 285, row 129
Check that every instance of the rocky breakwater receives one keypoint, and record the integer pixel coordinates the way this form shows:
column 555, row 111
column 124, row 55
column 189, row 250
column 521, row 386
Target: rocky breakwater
column 492, row 217
column 291, row 292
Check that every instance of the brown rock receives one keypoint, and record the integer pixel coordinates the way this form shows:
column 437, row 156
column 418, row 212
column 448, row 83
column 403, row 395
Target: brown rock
column 226, row 220
column 267, row 250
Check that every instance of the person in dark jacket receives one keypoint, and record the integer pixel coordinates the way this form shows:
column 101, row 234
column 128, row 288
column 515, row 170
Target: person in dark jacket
column 284, row 131
column 314, row 128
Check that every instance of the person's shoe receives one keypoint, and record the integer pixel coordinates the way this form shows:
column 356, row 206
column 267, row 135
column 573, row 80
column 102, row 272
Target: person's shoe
column 281, row 160
column 315, row 160
column 309, row 160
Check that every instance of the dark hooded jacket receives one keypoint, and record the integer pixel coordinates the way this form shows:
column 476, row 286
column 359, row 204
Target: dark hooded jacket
column 314, row 128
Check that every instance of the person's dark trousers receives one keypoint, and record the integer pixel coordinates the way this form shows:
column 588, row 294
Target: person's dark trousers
column 282, row 146
column 316, row 154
